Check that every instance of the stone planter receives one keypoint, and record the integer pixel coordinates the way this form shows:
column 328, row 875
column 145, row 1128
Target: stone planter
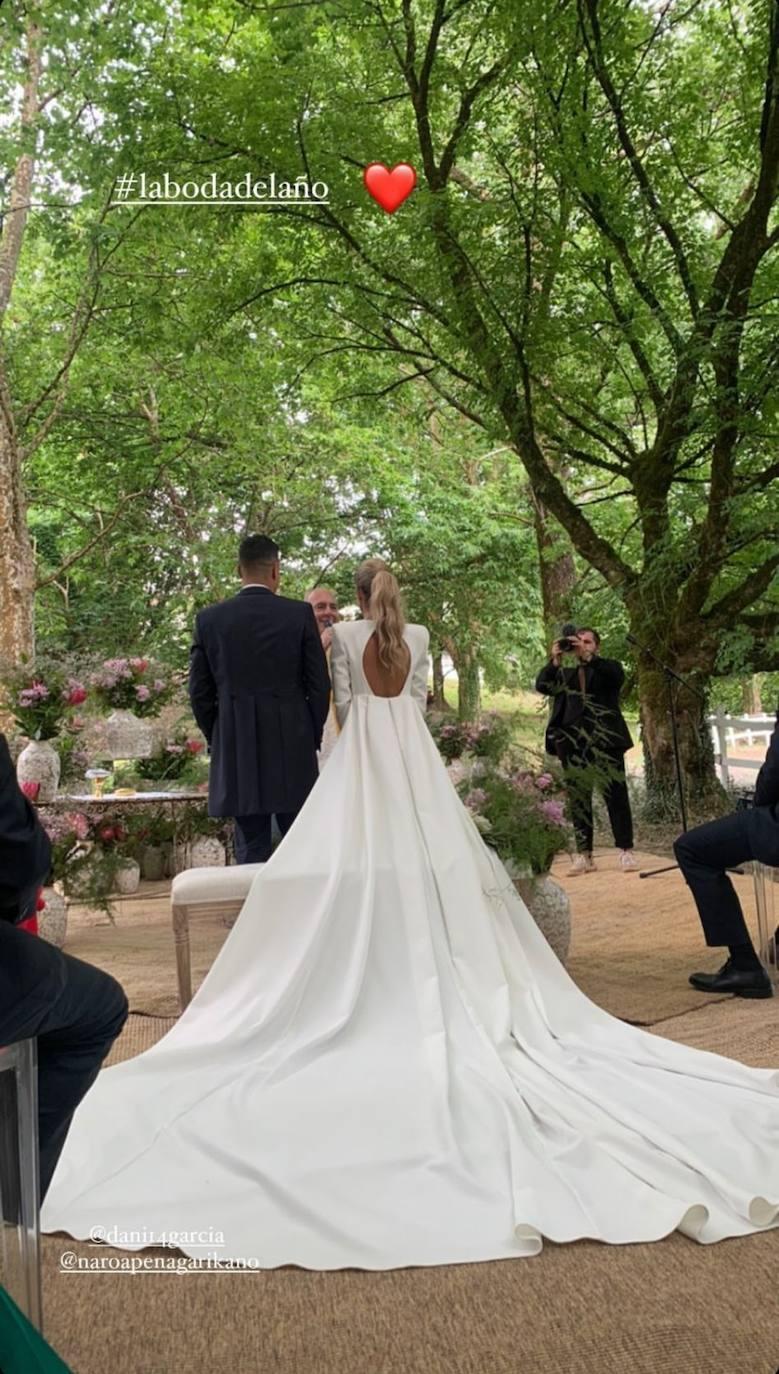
column 53, row 920
column 39, row 762
column 206, row 851
column 129, row 737
column 167, row 853
column 550, row 908
column 153, row 863
column 128, row 877
column 180, row 858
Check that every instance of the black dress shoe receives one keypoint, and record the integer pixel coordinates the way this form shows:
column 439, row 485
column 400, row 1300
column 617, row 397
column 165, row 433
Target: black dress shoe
column 741, row 982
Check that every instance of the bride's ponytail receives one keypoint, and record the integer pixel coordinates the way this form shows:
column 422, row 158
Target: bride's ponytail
column 380, row 588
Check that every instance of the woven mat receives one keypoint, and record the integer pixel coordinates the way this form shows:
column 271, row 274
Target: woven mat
column 139, row 1034
column 634, row 942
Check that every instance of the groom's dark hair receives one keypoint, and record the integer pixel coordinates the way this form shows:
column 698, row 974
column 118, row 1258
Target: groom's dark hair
column 256, row 551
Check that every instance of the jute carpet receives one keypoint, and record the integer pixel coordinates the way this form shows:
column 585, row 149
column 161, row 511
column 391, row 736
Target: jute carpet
column 634, row 942
column 670, row 1308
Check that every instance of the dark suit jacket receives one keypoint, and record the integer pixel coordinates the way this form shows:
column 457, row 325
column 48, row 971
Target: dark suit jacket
column 25, row 852
column 595, row 717
column 260, row 692
column 767, row 785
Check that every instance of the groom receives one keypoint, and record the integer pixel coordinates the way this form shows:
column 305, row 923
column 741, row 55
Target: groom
column 260, row 692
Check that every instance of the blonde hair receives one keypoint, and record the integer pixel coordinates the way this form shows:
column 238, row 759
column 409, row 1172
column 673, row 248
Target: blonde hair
column 380, row 588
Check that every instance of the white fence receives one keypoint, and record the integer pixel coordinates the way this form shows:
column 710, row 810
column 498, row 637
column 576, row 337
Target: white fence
column 726, row 731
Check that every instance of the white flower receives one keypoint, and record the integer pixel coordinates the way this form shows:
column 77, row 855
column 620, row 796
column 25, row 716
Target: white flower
column 482, row 824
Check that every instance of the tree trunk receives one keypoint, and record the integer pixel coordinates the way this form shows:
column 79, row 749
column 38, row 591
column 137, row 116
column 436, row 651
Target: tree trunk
column 751, row 700
column 696, row 751
column 557, row 568
column 468, row 686
column 439, row 700
column 17, row 568
column 17, row 571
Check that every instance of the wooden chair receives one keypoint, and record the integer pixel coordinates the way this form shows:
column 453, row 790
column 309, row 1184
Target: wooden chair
column 19, row 1178
column 204, row 892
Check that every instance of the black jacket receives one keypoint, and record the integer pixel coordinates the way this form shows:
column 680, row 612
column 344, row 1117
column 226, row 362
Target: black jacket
column 593, row 718
column 260, row 692
column 767, row 785
column 25, row 851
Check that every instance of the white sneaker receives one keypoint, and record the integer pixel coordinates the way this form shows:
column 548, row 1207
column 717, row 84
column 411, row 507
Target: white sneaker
column 582, row 863
column 627, row 861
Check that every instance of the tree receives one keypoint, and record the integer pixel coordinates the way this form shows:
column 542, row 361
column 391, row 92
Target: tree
column 582, row 273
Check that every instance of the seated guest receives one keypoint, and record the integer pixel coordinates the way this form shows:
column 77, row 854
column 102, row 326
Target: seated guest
column 324, row 604
column 704, row 854
column 74, row 1011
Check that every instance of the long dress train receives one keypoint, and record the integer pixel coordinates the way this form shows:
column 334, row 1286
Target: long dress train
column 387, row 1066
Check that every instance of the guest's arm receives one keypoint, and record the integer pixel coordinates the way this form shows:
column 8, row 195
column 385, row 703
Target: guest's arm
column 202, row 686
column 316, row 679
column 767, row 785
column 342, row 682
column 25, row 851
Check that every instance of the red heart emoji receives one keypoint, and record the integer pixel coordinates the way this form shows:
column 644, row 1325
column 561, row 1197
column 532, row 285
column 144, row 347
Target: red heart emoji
column 390, row 189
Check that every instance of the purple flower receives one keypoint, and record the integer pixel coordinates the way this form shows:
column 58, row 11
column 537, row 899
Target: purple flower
column 142, row 693
column 475, row 798
column 158, row 685
column 30, row 696
column 545, row 780
column 554, row 811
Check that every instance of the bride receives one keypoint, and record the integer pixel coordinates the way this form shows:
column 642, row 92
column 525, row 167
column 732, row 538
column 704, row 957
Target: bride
column 387, row 1065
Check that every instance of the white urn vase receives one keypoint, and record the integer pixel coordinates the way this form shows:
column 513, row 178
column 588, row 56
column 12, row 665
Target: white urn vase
column 206, row 851
column 153, row 863
column 53, row 919
column 128, row 877
column 129, row 737
column 39, row 762
column 550, row 908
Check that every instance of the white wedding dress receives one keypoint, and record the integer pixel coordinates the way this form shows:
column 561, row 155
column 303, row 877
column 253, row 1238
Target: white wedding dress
column 387, row 1066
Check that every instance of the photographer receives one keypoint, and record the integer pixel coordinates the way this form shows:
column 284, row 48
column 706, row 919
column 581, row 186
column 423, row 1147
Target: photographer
column 588, row 733
column 74, row 1011
column 704, row 855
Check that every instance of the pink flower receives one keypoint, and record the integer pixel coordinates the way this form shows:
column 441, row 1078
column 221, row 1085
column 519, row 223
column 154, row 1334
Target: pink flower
column 78, row 824
column 475, row 798
column 142, row 693
column 194, row 746
column 174, row 748
column 545, row 780
column 30, row 696
column 158, row 685
column 75, row 693
column 139, row 664
column 31, row 790
column 118, row 666
column 554, row 811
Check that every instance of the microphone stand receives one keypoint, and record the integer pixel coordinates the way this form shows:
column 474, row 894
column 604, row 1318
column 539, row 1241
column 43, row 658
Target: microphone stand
column 672, row 681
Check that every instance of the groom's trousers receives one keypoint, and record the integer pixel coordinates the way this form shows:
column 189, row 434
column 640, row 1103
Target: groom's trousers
column 253, row 836
column 75, row 1013
column 703, row 855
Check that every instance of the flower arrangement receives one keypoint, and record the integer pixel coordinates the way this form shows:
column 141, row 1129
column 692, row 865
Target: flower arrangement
column 40, row 699
column 181, row 760
column 68, row 832
column 521, row 814
column 488, row 738
column 132, row 684
column 451, row 736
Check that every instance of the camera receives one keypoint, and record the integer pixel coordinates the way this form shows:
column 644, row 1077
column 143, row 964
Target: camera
column 565, row 641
